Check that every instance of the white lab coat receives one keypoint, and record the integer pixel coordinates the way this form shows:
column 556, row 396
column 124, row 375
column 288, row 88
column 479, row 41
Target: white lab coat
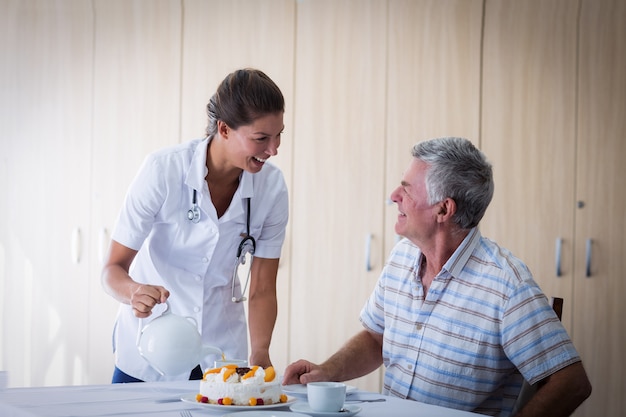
column 194, row 261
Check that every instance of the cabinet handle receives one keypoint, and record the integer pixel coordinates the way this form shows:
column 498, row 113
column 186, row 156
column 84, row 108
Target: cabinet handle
column 75, row 247
column 588, row 261
column 368, row 252
column 559, row 247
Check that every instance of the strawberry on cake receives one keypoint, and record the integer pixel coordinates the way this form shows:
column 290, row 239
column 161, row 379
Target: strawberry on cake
column 230, row 385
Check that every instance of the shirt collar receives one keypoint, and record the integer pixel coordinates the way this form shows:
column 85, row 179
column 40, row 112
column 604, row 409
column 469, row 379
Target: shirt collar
column 246, row 184
column 461, row 255
column 198, row 171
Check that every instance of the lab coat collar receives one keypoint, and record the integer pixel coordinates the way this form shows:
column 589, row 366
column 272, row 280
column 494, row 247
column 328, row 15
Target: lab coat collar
column 195, row 179
column 198, row 171
column 246, row 184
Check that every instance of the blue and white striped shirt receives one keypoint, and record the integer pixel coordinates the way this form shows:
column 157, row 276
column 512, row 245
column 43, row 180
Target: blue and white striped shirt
column 460, row 346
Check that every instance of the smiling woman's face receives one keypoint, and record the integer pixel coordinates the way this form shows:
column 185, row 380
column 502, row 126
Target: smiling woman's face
column 255, row 143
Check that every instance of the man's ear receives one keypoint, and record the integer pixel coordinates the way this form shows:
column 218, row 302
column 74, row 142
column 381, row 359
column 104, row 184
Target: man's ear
column 447, row 208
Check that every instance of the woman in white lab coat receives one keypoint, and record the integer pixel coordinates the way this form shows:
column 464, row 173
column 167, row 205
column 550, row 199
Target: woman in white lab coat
column 184, row 218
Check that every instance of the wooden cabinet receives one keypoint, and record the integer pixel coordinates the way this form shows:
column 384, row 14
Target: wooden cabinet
column 45, row 77
column 554, row 100
column 529, row 134
column 338, row 191
column 433, row 82
column 135, row 110
column 599, row 328
column 79, row 121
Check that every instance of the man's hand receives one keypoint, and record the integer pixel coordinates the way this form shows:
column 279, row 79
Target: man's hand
column 303, row 372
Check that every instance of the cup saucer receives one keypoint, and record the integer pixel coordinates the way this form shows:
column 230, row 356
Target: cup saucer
column 303, row 407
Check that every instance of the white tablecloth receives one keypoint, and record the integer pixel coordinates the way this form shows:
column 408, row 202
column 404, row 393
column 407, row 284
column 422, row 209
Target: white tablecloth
column 162, row 399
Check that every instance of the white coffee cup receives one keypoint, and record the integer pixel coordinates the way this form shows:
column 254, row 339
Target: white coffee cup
column 240, row 363
column 326, row 396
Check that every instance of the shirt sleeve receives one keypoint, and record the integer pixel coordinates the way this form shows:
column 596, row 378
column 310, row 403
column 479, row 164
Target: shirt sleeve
column 142, row 203
column 533, row 337
column 272, row 236
column 373, row 313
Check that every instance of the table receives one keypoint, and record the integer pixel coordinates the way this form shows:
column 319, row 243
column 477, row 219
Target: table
column 162, row 399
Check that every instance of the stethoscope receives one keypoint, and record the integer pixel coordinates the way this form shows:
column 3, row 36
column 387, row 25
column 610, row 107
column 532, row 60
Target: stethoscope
column 194, row 212
column 246, row 246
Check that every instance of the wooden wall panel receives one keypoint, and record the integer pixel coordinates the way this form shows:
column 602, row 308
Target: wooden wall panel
column 136, row 84
column 45, row 76
column 433, row 61
column 599, row 319
column 529, row 105
column 337, row 190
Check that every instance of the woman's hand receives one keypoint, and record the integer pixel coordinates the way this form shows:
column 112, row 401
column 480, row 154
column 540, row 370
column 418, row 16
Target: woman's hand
column 261, row 359
column 145, row 297
column 116, row 281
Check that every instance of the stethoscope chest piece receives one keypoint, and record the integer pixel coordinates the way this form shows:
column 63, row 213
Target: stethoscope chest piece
column 194, row 212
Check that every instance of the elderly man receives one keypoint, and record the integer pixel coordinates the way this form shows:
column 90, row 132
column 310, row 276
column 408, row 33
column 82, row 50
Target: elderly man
column 456, row 319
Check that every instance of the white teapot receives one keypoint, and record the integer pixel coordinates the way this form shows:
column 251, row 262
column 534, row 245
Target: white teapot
column 171, row 344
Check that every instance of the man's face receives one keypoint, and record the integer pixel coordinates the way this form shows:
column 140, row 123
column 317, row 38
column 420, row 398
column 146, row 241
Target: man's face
column 416, row 218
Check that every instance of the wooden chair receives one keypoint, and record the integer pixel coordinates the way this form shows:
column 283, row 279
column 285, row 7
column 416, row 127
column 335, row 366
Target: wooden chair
column 529, row 390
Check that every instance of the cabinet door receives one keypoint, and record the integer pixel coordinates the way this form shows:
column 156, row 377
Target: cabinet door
column 136, row 110
column 220, row 37
column 529, row 104
column 45, row 78
column 599, row 316
column 433, row 82
column 338, row 189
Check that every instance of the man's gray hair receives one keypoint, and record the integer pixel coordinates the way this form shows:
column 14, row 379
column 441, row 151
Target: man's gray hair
column 460, row 171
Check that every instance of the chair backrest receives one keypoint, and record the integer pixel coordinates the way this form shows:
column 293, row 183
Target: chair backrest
column 528, row 390
column 557, row 306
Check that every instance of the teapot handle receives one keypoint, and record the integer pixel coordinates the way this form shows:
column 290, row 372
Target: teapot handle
column 211, row 350
column 140, row 327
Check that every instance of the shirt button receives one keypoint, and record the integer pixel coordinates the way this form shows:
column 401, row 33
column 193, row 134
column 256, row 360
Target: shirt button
column 196, row 309
column 205, row 259
column 198, row 278
column 418, row 327
column 410, row 366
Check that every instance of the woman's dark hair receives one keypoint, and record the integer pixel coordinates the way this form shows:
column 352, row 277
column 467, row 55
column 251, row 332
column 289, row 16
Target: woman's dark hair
column 241, row 98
